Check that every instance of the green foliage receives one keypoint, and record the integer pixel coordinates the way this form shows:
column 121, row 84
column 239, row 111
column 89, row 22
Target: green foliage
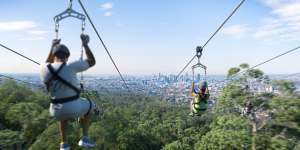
column 263, row 140
column 255, row 73
column 9, row 138
column 227, row 132
column 244, row 66
column 233, row 71
column 177, row 145
column 137, row 139
column 287, row 111
column 247, row 72
column 49, row 139
column 222, row 140
column 231, row 122
column 23, row 113
column 297, row 147
column 137, row 122
column 286, row 87
column 280, row 144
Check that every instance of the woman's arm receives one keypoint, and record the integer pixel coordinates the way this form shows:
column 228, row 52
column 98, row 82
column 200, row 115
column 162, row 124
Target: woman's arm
column 90, row 57
column 192, row 91
column 50, row 58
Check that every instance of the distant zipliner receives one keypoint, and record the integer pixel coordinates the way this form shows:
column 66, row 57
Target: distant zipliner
column 60, row 77
column 200, row 92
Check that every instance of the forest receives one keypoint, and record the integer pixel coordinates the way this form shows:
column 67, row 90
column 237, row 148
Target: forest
column 137, row 122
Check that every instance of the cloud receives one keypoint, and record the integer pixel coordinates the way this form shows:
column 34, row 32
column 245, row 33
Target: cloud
column 283, row 22
column 107, row 6
column 32, row 38
column 17, row 25
column 28, row 29
column 37, row 32
column 274, row 3
column 108, row 14
column 236, row 30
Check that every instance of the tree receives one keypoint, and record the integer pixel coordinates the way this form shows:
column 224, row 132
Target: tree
column 222, row 140
column 23, row 113
column 227, row 132
column 287, row 88
column 9, row 139
column 137, row 139
column 244, row 66
column 177, row 145
column 233, row 71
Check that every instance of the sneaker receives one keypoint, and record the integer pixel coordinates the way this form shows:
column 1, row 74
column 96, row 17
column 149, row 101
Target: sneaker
column 86, row 142
column 64, row 146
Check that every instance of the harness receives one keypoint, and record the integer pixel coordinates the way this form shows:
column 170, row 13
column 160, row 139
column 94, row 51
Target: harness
column 56, row 76
column 201, row 103
column 69, row 12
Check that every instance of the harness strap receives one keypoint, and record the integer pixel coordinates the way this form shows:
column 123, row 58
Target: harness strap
column 201, row 108
column 64, row 100
column 90, row 107
column 55, row 75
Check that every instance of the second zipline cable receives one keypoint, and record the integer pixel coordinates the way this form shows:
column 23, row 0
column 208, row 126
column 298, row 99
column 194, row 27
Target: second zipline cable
column 103, row 44
column 213, row 35
column 19, row 54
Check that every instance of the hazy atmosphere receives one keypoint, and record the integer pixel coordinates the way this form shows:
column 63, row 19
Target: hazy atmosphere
column 157, row 75
column 160, row 36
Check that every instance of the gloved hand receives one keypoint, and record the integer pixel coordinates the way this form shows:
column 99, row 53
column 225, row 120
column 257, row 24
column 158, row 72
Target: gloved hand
column 55, row 42
column 85, row 39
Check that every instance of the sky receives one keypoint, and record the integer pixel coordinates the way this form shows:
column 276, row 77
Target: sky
column 158, row 36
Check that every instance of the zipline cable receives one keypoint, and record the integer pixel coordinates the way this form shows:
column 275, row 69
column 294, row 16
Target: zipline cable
column 103, row 44
column 259, row 64
column 27, row 59
column 291, row 75
column 19, row 54
column 185, row 67
column 267, row 61
column 213, row 35
column 9, row 77
column 222, row 25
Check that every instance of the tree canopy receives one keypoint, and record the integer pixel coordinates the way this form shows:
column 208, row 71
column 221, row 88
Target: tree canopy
column 138, row 122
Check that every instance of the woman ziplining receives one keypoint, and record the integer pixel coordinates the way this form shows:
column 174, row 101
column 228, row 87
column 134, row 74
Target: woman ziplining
column 59, row 76
column 200, row 92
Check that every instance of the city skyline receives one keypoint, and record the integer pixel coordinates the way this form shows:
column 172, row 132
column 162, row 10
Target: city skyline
column 139, row 32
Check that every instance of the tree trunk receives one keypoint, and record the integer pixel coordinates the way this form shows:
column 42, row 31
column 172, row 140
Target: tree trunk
column 253, row 135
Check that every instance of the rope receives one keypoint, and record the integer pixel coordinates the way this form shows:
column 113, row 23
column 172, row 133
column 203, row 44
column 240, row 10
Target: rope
column 262, row 63
column 185, row 67
column 8, row 77
column 267, row 61
column 103, row 44
column 291, row 75
column 222, row 25
column 213, row 35
column 20, row 54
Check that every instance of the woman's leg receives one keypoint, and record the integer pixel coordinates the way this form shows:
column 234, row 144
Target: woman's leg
column 191, row 105
column 63, row 129
column 192, row 108
column 85, row 123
